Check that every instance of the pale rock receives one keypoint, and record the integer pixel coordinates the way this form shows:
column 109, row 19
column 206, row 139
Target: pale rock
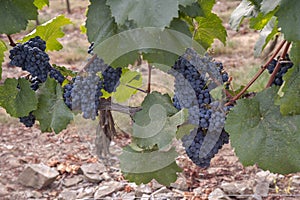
column 163, row 190
column 143, row 189
column 180, row 184
column 69, row 182
column 38, row 176
column 156, row 185
column 93, row 171
column 218, row 194
column 237, row 188
column 86, row 193
column 261, row 188
column 67, row 194
column 107, row 189
column 145, row 197
column 3, row 190
column 130, row 195
column 296, row 181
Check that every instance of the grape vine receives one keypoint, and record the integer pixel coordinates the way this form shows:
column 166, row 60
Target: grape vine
column 205, row 111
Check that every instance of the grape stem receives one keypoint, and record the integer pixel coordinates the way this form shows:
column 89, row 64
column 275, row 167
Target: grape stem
column 139, row 89
column 11, row 41
column 277, row 67
column 89, row 62
column 149, row 78
column 257, row 74
column 108, row 105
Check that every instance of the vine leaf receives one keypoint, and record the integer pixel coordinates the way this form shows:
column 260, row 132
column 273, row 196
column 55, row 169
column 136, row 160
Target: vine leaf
column 266, row 34
column 261, row 20
column 269, row 5
column 50, row 31
column 41, row 3
column 210, row 27
column 128, row 78
column 100, row 25
column 52, row 113
column 156, row 123
column 289, row 19
column 142, row 167
column 3, row 48
column 184, row 129
column 144, row 13
column 15, row 15
column 257, row 130
column 244, row 9
column 17, row 97
column 290, row 102
column 186, row 2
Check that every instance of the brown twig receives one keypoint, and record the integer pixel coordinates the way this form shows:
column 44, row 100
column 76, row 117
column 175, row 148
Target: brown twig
column 257, row 74
column 11, row 41
column 139, row 89
column 277, row 67
column 108, row 105
column 149, row 78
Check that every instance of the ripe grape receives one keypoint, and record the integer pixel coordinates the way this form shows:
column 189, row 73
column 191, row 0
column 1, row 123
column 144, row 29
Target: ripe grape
column 285, row 65
column 31, row 57
column 111, row 77
column 28, row 121
column 191, row 84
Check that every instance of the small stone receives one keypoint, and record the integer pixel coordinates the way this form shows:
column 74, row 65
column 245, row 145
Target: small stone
column 38, row 176
column 218, row 194
column 67, row 194
column 145, row 197
column 156, row 185
column 107, row 189
column 3, row 190
column 84, row 193
column 143, row 189
column 239, row 187
column 296, row 181
column 261, row 188
column 180, row 184
column 93, row 171
column 69, row 182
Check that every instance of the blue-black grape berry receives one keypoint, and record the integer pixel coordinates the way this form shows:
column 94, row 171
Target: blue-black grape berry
column 192, row 92
column 28, row 121
column 285, row 65
column 111, row 77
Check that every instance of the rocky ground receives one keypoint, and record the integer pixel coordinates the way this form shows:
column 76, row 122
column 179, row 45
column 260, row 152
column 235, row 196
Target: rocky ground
column 69, row 159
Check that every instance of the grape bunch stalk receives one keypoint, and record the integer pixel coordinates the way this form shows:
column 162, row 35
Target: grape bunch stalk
column 193, row 93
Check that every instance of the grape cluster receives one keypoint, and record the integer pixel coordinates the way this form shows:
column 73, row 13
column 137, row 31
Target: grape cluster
column 85, row 95
column 28, row 121
column 111, row 77
column 31, row 57
column 285, row 65
column 192, row 92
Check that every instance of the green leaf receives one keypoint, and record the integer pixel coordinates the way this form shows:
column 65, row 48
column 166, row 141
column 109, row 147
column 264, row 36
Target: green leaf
column 141, row 40
column 142, row 167
column 184, row 129
column 295, row 52
column 160, row 130
column 261, row 135
column 269, row 5
column 128, row 78
column 209, row 28
column 64, row 71
column 14, row 15
column 100, row 25
column 41, row 3
column 3, row 48
column 181, row 26
column 186, row 2
column 266, row 34
column 244, row 9
column 289, row 19
column 50, row 31
column 17, row 97
column 52, row 113
column 261, row 20
column 144, row 13
column 290, row 101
